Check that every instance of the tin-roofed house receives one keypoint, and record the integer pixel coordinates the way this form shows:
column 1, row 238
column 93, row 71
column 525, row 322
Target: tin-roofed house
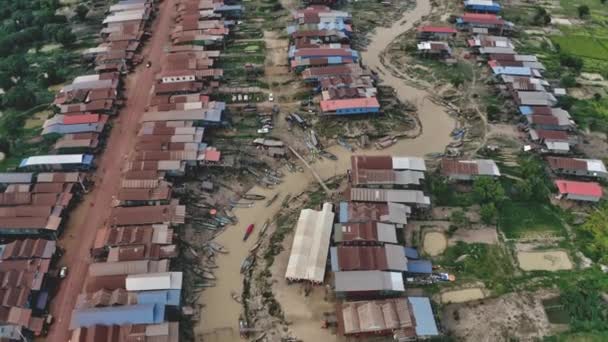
column 469, row 169
column 481, row 6
column 65, row 162
column 362, row 258
column 365, row 105
column 368, row 284
column 434, row 49
column 576, row 167
column 435, row 32
column 365, row 234
column 579, row 191
column 363, row 212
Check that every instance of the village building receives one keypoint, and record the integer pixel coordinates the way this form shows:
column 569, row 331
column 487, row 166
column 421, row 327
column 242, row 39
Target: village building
column 435, row 32
column 579, row 191
column 577, row 167
column 368, row 284
column 469, row 169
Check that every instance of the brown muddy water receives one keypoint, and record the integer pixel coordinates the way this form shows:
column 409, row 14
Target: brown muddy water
column 219, row 318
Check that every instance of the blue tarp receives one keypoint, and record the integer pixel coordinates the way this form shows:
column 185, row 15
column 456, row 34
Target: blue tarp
column 343, row 212
column 411, row 253
column 423, row 315
column 163, row 297
column 42, row 300
column 420, row 266
column 118, row 315
column 511, row 70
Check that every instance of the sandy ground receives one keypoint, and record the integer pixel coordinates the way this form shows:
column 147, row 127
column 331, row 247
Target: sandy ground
column 94, row 209
column 544, row 261
column 434, row 243
column 461, row 296
column 515, row 316
column 437, row 126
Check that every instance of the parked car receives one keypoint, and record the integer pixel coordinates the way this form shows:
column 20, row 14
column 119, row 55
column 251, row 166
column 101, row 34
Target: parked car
column 271, row 97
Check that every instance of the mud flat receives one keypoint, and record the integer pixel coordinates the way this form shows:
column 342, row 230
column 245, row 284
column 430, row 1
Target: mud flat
column 544, row 261
column 461, row 296
column 434, row 243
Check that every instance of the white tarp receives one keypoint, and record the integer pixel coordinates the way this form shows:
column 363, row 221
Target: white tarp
column 311, row 245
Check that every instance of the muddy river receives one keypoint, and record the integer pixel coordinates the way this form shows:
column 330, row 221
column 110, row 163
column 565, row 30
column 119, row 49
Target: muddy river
column 219, row 319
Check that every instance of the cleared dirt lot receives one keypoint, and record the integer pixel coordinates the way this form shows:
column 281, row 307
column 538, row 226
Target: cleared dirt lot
column 461, row 296
column 434, row 243
column 516, row 316
column 544, row 261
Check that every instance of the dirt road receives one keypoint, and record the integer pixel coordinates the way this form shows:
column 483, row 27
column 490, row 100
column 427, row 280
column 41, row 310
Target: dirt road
column 220, row 312
column 94, row 210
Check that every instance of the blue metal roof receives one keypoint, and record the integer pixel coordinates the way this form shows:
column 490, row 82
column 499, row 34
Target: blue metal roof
column 333, row 252
column 511, row 70
column 411, row 253
column 525, row 110
column 118, row 315
column 423, row 315
column 162, row 297
column 343, row 212
column 419, row 266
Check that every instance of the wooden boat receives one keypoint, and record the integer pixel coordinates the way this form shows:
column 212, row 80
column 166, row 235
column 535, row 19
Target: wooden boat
column 272, row 200
column 248, row 232
column 216, row 247
column 247, row 262
column 255, row 247
column 208, row 275
column 264, row 227
column 235, row 296
column 328, row 155
column 254, row 197
column 345, row 144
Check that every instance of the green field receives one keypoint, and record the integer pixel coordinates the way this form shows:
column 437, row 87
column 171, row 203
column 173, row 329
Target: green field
column 583, row 46
column 488, row 263
column 570, row 6
column 519, row 220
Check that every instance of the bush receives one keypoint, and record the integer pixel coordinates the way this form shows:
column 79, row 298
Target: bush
column 571, row 61
column 488, row 190
column 81, row 12
column 583, row 11
column 488, row 213
column 568, row 81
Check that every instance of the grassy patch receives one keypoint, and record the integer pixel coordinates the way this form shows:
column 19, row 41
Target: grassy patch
column 489, row 263
column 583, row 46
column 518, row 220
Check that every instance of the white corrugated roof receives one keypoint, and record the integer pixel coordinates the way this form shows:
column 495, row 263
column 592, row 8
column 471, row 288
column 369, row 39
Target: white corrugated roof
column 595, row 165
column 54, row 159
column 409, row 163
column 154, row 281
column 310, row 245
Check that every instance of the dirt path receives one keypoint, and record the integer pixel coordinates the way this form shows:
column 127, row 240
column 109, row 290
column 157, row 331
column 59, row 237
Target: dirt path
column 94, row 210
column 220, row 312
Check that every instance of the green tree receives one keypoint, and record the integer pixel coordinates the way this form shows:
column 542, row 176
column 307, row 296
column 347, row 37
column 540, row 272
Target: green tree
column 571, row 61
column 488, row 213
column 568, row 81
column 603, row 2
column 81, row 12
column 19, row 97
column 488, row 190
column 5, row 81
column 596, row 232
column 65, row 37
column 15, row 65
column 541, row 17
column 583, row 11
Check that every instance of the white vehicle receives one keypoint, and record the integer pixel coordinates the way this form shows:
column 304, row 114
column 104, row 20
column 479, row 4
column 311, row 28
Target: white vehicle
column 270, row 97
column 264, row 130
column 63, row 272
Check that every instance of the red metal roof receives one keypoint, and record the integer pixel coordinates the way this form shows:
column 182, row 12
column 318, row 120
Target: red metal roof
column 482, row 18
column 451, row 166
column 80, row 119
column 552, row 135
column 592, row 189
column 566, row 163
column 544, row 119
column 436, row 29
column 333, row 105
column 355, row 258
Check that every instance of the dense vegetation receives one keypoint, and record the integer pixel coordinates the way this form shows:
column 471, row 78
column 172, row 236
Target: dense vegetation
column 35, row 54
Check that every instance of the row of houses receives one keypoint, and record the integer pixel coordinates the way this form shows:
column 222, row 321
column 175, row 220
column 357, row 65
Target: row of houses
column 131, row 283
column 35, row 202
column 368, row 262
column 551, row 129
column 321, row 52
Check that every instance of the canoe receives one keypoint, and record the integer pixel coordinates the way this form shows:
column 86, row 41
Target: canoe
column 208, row 275
column 328, row 155
column 217, row 247
column 248, row 232
column 270, row 201
column 247, row 262
column 254, row 197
